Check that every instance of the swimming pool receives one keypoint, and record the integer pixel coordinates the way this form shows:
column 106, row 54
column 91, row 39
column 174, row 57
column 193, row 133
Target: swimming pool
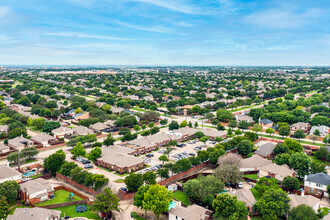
column 172, row 205
column 30, row 173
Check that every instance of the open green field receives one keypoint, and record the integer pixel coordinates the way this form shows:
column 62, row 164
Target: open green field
column 71, row 211
column 60, row 196
column 179, row 195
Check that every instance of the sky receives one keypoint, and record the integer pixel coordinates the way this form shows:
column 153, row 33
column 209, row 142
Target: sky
column 165, row 32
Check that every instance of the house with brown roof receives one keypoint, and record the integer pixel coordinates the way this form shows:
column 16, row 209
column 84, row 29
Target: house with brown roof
column 192, row 212
column 99, row 127
column 35, row 214
column 276, row 171
column 62, row 132
column 4, row 148
column 266, row 150
column 246, row 196
column 82, row 130
column 308, row 200
column 43, row 139
column 8, row 173
column 19, row 143
column 81, row 116
column 253, row 163
column 35, row 191
column 305, row 127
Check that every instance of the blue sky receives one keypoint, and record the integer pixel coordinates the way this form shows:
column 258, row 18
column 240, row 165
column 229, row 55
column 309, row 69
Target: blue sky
column 164, row 32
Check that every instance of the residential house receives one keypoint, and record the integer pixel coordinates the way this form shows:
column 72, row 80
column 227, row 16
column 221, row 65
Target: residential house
column 253, row 163
column 44, row 139
column 82, row 130
column 99, row 127
column 192, row 212
column 4, row 129
column 35, row 191
column 316, row 183
column 276, row 171
column 70, row 113
column 4, row 148
column 300, row 126
column 246, row 118
column 173, row 187
column 19, row 143
column 35, row 214
column 8, row 173
column 266, row 150
column 62, row 132
column 81, row 116
column 266, row 123
column 324, row 130
column 308, row 200
column 246, row 196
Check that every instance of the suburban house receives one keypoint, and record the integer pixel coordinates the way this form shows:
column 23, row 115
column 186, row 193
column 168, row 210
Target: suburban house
column 324, row 130
column 276, row 171
column 35, row 214
column 62, row 132
column 317, row 183
column 266, row 150
column 118, row 159
column 8, row 173
column 19, row 143
column 253, row 163
column 80, row 116
column 4, row 129
column 246, row 196
column 173, row 187
column 246, row 118
column 99, row 127
column 300, row 126
column 82, row 130
column 266, row 123
column 308, row 200
column 43, row 139
column 35, row 191
column 4, row 148
column 193, row 212
column 70, row 113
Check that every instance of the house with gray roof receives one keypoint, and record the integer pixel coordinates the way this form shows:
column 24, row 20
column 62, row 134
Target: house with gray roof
column 35, row 214
column 324, row 130
column 246, row 196
column 317, row 183
column 82, row 130
column 43, row 139
column 19, row 143
column 308, row 200
column 253, row 163
column 99, row 127
column 276, row 171
column 4, row 148
column 4, row 129
column 8, row 173
column 35, row 191
column 192, row 212
column 266, row 150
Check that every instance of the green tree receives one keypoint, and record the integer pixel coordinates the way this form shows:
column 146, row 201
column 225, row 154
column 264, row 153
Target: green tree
column 282, row 159
column 322, row 153
column 95, row 153
column 225, row 205
column 139, row 197
column 173, row 125
column 149, row 177
column 243, row 125
column 293, row 146
column 301, row 163
column 163, row 158
column 163, row 173
column 151, row 124
column 290, row 182
column 157, row 199
column 137, row 128
column 284, row 130
column 224, row 115
column 4, row 208
column 299, row 134
column 251, row 136
column 29, row 152
column 196, row 124
column 257, row 128
column 54, row 162
column 199, row 134
column 264, row 184
column 39, row 122
column 245, row 147
column 50, row 125
column 133, row 181
column 232, row 124
column 303, row 212
column 270, row 131
column 190, row 125
column 67, row 167
column 183, row 124
column 228, row 173
column 144, row 127
column 106, row 202
column 280, row 149
column 78, row 150
column 9, row 189
column 318, row 167
column 214, row 155
column 326, row 139
column 317, row 132
column 204, row 139
column 109, row 140
column 274, row 204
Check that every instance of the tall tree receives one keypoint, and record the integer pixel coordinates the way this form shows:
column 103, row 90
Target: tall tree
column 106, row 202
column 303, row 212
column 133, row 181
column 4, row 208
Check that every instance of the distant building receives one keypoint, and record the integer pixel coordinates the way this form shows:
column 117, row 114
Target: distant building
column 324, row 130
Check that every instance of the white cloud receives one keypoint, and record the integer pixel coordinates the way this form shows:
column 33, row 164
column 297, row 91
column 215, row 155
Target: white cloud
column 158, row 28
column 82, row 35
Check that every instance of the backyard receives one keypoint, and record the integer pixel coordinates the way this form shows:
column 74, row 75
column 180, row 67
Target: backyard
column 60, row 196
column 255, row 193
column 71, row 211
column 252, row 176
column 180, row 196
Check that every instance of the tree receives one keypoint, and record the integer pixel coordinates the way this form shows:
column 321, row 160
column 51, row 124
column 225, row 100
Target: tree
column 137, row 128
column 313, row 137
column 317, row 132
column 50, row 125
column 151, row 124
column 139, row 197
column 190, row 124
column 15, row 157
column 109, row 140
column 228, row 174
column 196, row 124
column 9, row 189
column 183, row 124
column 293, row 146
column 4, row 208
column 226, row 205
column 301, row 163
column 257, row 128
column 291, row 183
column 299, row 134
column 199, row 134
column 322, row 153
column 163, row 173
column 326, row 139
column 273, row 204
column 270, row 131
column 251, row 136
column 328, row 189
column 149, row 177
column 317, row 167
column 106, row 202
column 16, row 132
column 229, row 132
column 204, row 139
column 264, row 184
column 133, row 181
column 182, row 165
column 29, row 152
column 245, row 147
column 157, row 199
column 214, row 155
column 220, row 127
column 78, row 150
column 284, row 130
column 280, row 149
column 144, row 126
column 224, row 115
column 282, row 159
column 302, row 212
column 163, row 158
column 232, row 124
column 154, row 130
column 54, row 162
column 173, row 125
column 243, row 125
column 95, row 153
column 67, row 167
column 164, row 122
column 39, row 122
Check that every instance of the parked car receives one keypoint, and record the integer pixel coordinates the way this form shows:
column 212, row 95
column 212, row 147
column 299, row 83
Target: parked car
column 124, row 189
column 88, row 166
column 240, row 185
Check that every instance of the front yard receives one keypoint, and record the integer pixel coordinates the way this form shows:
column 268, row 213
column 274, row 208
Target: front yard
column 180, row 196
column 60, row 196
column 255, row 193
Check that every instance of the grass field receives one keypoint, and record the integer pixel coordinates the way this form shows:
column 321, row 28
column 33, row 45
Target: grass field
column 255, row 193
column 315, row 159
column 179, row 195
column 252, row 176
column 60, row 196
column 119, row 181
column 71, row 211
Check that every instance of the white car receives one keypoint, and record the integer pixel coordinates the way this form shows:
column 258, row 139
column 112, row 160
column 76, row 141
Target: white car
column 240, row 185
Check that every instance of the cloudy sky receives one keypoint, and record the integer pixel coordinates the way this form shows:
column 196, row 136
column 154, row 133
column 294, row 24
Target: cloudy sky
column 165, row 32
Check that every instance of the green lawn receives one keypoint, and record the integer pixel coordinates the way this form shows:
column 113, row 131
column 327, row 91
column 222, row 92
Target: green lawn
column 60, row 196
column 119, row 181
column 71, row 211
column 315, row 159
column 135, row 216
column 255, row 193
column 179, row 195
column 36, row 176
column 252, row 176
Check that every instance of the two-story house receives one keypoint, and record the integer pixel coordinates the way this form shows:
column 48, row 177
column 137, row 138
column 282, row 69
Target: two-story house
column 317, row 183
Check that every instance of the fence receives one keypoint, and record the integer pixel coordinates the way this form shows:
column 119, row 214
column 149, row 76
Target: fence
column 75, row 184
column 64, row 204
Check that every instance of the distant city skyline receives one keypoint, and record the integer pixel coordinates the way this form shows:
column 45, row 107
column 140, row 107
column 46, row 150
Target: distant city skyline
column 165, row 32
